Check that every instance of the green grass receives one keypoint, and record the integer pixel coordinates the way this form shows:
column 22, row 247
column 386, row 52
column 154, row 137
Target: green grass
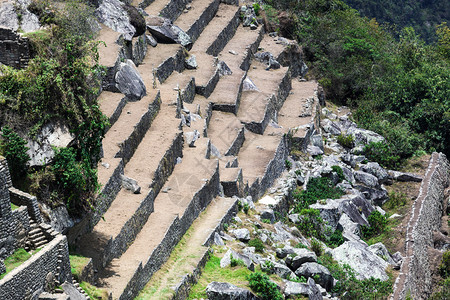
column 77, row 264
column 213, row 272
column 16, row 259
column 94, row 292
column 13, row 206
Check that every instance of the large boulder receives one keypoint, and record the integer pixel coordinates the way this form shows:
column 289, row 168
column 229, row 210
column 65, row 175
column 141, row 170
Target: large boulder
column 364, row 136
column 329, row 211
column 405, row 177
column 381, row 250
column 366, row 178
column 283, row 271
column 376, row 195
column 170, row 34
column 41, row 148
column 242, row 234
column 226, row 259
column 365, row 263
column 299, row 257
column 313, row 269
column 114, row 15
column 376, row 170
column 136, row 19
column 8, row 16
column 295, row 289
column 129, row 81
column 226, row 291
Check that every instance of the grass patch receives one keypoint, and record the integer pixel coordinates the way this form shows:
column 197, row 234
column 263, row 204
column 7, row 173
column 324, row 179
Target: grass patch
column 77, row 265
column 16, row 259
column 13, row 206
column 317, row 189
column 93, row 291
column 213, row 272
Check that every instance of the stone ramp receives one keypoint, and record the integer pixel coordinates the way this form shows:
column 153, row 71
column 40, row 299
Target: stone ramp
column 191, row 253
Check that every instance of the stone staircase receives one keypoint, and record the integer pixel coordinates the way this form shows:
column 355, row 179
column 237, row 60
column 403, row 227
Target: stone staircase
column 241, row 150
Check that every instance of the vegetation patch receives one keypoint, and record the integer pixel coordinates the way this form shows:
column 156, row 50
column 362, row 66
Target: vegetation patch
column 261, row 284
column 94, row 292
column 77, row 265
column 258, row 244
column 316, row 189
column 16, row 259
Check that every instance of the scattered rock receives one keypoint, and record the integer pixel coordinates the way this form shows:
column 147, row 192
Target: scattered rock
column 300, row 256
column 312, row 269
column 376, row 195
column 366, row 178
column 315, row 293
column 226, row 259
column 314, row 150
column 227, row 291
column 380, row 250
column 294, row 218
column 268, row 214
column 129, row 81
column 296, row 289
column 223, row 68
column 283, row 271
column 151, row 40
column 130, row 184
column 191, row 62
column 170, row 34
column 405, row 177
column 191, row 137
column 248, row 85
column 242, row 234
column 376, row 170
column 60, row 219
column 218, row 240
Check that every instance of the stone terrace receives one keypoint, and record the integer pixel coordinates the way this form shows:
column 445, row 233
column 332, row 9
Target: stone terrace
column 242, row 143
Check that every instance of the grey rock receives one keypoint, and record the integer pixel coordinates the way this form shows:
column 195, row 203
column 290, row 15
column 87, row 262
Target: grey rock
column 282, row 234
column 397, row 257
column 8, row 16
column 405, row 177
column 311, row 269
column 242, row 234
column 2, row 267
column 376, row 195
column 358, row 209
column 253, row 26
column 296, row 289
column 130, row 184
column 364, row 136
column 226, row 291
column 129, row 81
column 191, row 62
column 376, row 170
column 315, row 293
column 226, row 259
column 218, row 240
column 151, row 40
column 380, row 250
column 249, row 85
column 349, row 159
column 268, row 214
column 29, row 21
column 223, row 68
column 346, row 225
column 112, row 14
column 300, row 179
column 314, row 150
column 41, row 148
column 330, row 127
column 171, row 34
column 294, row 218
column 329, row 211
column 365, row 263
column 283, row 271
column 249, row 17
column 191, row 137
column 60, row 219
column 366, row 178
column 302, row 256
column 316, row 140
column 348, row 175
column 72, row 291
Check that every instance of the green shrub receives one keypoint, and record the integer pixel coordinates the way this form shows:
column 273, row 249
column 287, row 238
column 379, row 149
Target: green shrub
column 316, row 247
column 444, row 267
column 300, row 245
column 377, row 225
column 256, row 8
column 311, row 224
column 246, row 208
column 225, row 227
column 288, row 164
column 236, row 262
column 13, row 147
column 335, row 239
column 383, row 153
column 339, row 172
column 268, row 267
column 258, row 244
column 346, row 140
column 263, row 287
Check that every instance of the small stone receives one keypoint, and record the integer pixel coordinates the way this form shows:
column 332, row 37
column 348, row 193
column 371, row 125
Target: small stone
column 242, row 234
column 233, row 52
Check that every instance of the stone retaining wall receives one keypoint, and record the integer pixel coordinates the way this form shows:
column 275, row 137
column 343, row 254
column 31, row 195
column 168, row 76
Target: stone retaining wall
column 21, row 226
column 237, row 144
column 206, row 90
column 188, row 93
column 173, row 9
column 199, row 25
column 415, row 278
column 27, row 280
column 117, row 112
column 6, row 218
column 232, row 108
column 20, row 198
column 251, row 50
column 14, row 49
column 224, row 36
column 172, row 236
column 129, row 146
column 173, row 63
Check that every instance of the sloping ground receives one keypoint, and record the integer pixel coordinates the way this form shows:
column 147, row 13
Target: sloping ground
column 148, row 143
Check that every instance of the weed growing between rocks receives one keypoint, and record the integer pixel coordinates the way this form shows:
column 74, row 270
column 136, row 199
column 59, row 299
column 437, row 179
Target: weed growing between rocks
column 377, row 225
column 263, row 287
column 258, row 244
column 317, row 189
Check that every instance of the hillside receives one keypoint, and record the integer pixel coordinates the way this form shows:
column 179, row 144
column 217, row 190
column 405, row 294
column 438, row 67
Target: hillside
column 423, row 15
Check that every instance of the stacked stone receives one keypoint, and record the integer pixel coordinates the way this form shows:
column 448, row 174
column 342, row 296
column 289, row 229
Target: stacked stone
column 14, row 49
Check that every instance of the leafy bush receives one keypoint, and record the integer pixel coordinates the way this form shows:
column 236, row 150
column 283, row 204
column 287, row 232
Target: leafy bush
column 268, row 267
column 339, row 172
column 316, row 247
column 382, row 153
column 311, row 224
column 377, row 225
column 444, row 267
column 236, row 262
column 288, row 164
column 263, row 287
column 316, row 189
column 256, row 8
column 258, row 244
column 12, row 146
column 335, row 239
column 346, row 140
column 300, row 245
column 246, row 208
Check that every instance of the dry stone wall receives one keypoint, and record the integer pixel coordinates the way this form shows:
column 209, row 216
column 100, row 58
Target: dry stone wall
column 14, row 49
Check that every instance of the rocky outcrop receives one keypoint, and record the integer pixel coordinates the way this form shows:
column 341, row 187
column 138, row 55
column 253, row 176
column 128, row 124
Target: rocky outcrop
column 226, row 291
column 112, row 14
column 129, row 81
